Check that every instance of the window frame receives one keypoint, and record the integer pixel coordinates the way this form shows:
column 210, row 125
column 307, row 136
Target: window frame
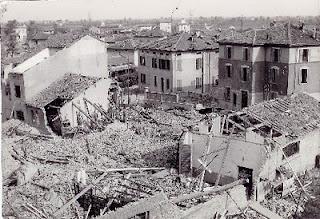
column 143, row 78
column 295, row 151
column 168, row 83
column 199, row 63
column 229, row 65
column 227, row 52
column 273, row 78
column 155, row 81
column 245, row 55
column 179, row 85
column 273, row 54
column 142, row 60
column 227, row 94
column 242, row 73
column 303, row 57
column 17, row 94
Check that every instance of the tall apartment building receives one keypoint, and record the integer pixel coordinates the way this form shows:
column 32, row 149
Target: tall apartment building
column 182, row 62
column 263, row 64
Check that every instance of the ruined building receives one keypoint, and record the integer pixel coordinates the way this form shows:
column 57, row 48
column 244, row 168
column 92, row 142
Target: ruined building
column 269, row 143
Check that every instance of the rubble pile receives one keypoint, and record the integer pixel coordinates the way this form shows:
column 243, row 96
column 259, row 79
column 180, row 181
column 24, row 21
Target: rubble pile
column 55, row 161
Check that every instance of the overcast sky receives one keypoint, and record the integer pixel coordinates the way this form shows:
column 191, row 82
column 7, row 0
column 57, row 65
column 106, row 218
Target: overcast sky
column 113, row 9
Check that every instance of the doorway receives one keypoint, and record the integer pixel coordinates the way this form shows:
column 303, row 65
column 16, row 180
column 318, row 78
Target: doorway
column 244, row 99
column 246, row 173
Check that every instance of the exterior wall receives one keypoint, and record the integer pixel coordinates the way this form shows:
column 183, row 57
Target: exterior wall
column 87, row 57
column 186, row 72
column 39, row 121
column 21, row 34
column 98, row 94
column 313, row 66
column 184, row 28
column 114, row 57
column 249, row 153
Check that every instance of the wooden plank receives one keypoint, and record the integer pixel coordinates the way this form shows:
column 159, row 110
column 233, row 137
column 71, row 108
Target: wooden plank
column 208, row 192
column 263, row 211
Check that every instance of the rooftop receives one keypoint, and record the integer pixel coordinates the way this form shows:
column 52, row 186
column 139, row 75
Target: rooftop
column 40, row 36
column 67, row 87
column 293, row 116
column 182, row 42
column 282, row 35
column 62, row 40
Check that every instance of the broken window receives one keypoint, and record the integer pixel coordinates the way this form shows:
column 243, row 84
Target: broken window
column 142, row 60
column 276, row 54
column 199, row 63
column 20, row 115
column 291, row 149
column 229, row 70
column 245, row 54
column 227, row 94
column 18, row 91
column 229, row 52
column 155, row 81
column 245, row 73
column 143, row 78
column 154, row 63
column 304, row 75
column 198, row 82
column 168, row 84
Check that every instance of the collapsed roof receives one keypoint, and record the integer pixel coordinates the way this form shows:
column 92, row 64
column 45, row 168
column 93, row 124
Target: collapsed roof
column 67, row 87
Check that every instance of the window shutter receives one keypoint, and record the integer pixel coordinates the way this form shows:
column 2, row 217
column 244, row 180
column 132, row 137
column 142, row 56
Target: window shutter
column 300, row 55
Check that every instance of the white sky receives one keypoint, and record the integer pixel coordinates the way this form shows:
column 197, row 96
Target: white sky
column 113, row 9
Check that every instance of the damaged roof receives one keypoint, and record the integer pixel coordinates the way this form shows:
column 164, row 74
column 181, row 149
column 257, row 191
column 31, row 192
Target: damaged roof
column 294, row 116
column 281, row 35
column 182, row 42
column 67, row 87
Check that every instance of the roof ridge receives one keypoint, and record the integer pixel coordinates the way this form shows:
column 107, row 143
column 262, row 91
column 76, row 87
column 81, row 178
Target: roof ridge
column 176, row 44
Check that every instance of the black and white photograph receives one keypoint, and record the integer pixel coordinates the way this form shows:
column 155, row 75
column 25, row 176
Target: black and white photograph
column 160, row 109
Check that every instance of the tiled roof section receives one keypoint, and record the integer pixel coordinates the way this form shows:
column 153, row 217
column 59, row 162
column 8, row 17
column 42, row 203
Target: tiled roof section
column 294, row 116
column 62, row 40
column 40, row 36
column 156, row 33
column 22, row 57
column 182, row 42
column 125, row 44
column 282, row 35
column 68, row 87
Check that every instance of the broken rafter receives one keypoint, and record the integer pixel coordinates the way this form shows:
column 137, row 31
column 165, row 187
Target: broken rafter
column 84, row 113
column 94, row 182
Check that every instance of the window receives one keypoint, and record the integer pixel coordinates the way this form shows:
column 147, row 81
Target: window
column 144, row 215
column 227, row 94
column 20, row 115
column 273, row 74
column 229, row 52
column 229, row 70
column 142, row 60
column 305, row 55
column 245, row 54
column 304, row 75
column 198, row 63
column 291, row 149
column 143, row 78
column 168, row 84
column 179, row 54
column 154, row 63
column 18, row 91
column 179, row 85
column 276, row 54
column 7, row 90
column 155, row 81
column 234, row 99
column 164, row 64
column 245, row 73
column 198, row 82
column 244, row 99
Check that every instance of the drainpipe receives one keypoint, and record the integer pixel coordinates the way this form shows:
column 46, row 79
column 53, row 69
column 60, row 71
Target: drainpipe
column 202, row 70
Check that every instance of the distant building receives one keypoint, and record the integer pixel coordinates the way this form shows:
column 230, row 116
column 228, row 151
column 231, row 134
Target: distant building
column 86, row 56
column 181, row 62
column 21, row 32
column 263, row 64
column 184, row 27
column 166, row 26
column 38, row 40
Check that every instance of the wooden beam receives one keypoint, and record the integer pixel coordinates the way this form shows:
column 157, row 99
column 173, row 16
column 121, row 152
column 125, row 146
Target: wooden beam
column 84, row 113
column 208, row 192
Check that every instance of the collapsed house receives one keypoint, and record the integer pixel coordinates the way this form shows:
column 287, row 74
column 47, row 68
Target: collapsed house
column 69, row 102
column 269, row 144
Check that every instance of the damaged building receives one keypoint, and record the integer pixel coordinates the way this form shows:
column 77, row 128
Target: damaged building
column 269, row 144
column 87, row 57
